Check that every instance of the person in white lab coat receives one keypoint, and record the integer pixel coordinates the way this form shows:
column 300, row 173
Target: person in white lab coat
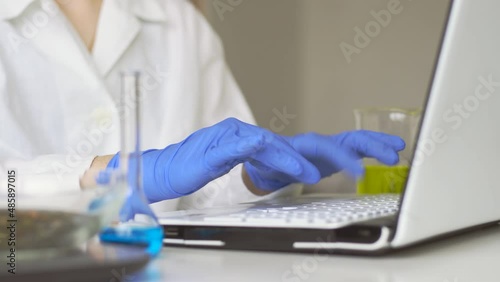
column 59, row 83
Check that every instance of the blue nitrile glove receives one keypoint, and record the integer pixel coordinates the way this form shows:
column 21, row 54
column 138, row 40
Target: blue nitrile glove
column 331, row 154
column 211, row 152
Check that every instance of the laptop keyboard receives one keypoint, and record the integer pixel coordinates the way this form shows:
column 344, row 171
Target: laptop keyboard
column 326, row 211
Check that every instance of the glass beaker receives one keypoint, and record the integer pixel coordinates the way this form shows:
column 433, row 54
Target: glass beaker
column 137, row 224
column 404, row 123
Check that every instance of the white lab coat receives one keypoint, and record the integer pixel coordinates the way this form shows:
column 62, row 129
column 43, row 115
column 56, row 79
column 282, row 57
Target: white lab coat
column 58, row 101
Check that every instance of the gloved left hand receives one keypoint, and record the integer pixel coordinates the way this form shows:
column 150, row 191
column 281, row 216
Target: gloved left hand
column 331, row 154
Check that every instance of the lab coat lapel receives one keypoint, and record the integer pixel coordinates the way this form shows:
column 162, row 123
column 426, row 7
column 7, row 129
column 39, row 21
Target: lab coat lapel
column 59, row 42
column 117, row 29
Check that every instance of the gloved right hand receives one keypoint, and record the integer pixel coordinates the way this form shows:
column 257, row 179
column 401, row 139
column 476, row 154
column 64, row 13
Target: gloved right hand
column 211, row 152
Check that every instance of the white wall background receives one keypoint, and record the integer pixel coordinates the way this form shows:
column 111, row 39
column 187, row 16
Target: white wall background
column 285, row 53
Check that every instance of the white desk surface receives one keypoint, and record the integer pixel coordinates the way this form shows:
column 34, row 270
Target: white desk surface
column 473, row 257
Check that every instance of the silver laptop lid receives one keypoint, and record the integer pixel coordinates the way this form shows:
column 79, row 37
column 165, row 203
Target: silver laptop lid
column 453, row 181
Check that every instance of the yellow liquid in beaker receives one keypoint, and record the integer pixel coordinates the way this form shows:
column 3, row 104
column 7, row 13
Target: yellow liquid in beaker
column 380, row 179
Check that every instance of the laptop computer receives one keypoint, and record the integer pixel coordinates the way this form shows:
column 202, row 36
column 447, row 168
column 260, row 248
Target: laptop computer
column 452, row 184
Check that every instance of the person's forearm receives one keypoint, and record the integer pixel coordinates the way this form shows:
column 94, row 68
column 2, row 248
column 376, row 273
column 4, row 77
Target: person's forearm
column 250, row 185
column 98, row 164
column 101, row 162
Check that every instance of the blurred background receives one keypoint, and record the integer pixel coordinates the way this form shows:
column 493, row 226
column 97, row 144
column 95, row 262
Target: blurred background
column 287, row 56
